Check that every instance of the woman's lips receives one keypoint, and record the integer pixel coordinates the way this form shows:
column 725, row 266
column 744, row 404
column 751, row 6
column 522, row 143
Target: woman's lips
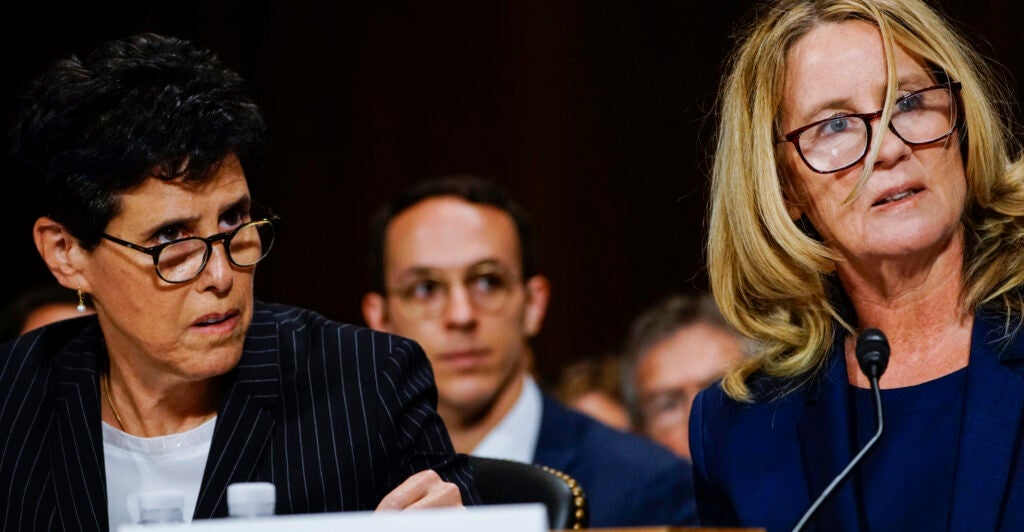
column 218, row 323
column 896, row 196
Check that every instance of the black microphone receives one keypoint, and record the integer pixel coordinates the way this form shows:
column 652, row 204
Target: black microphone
column 872, row 357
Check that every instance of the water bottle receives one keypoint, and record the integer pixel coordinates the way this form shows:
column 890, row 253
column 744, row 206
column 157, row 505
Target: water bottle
column 251, row 499
column 161, row 506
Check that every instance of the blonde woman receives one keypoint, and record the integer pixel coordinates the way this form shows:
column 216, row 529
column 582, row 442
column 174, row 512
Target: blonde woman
column 864, row 179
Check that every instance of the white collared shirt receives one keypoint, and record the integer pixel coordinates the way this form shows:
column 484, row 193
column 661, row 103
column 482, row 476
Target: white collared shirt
column 515, row 437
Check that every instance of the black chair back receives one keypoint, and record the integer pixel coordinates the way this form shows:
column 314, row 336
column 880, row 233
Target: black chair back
column 509, row 482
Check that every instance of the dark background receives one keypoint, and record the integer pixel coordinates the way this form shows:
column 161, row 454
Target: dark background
column 597, row 115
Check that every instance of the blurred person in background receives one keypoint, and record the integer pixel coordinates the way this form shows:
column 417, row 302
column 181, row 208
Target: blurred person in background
column 592, row 386
column 41, row 305
column 454, row 268
column 673, row 350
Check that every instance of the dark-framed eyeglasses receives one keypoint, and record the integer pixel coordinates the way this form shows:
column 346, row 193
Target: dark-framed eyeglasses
column 839, row 142
column 182, row 260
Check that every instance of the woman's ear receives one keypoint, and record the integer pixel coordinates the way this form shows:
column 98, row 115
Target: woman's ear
column 61, row 252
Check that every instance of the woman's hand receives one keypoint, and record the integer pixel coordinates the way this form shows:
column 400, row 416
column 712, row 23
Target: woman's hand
column 422, row 490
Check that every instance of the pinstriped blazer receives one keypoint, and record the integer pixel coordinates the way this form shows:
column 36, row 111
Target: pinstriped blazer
column 334, row 415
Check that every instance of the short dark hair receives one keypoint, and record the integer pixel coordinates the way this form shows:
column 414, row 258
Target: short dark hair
column 142, row 106
column 658, row 323
column 472, row 188
column 664, row 318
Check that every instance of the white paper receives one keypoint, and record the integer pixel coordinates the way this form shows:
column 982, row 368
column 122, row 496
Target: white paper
column 492, row 518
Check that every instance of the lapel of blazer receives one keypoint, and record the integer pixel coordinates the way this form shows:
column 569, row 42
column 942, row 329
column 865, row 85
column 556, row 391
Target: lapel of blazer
column 993, row 404
column 245, row 419
column 825, row 436
column 76, row 441
column 557, row 441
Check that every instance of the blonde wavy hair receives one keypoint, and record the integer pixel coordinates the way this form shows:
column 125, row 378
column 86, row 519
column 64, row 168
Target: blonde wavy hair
column 774, row 282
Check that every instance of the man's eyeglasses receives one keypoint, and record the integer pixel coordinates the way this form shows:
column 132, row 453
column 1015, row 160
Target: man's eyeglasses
column 487, row 286
column 182, row 260
column 839, row 142
column 665, row 408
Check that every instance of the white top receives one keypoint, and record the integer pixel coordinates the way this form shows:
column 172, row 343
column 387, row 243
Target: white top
column 135, row 465
column 515, row 437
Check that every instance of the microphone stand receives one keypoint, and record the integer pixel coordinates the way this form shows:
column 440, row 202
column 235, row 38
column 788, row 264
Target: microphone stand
column 846, row 472
column 872, row 357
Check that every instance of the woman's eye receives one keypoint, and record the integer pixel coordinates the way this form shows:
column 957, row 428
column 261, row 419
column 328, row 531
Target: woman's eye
column 169, row 234
column 233, row 219
column 835, row 126
column 909, row 103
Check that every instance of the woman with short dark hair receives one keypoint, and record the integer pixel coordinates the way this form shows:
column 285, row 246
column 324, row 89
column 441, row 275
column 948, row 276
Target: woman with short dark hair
column 138, row 161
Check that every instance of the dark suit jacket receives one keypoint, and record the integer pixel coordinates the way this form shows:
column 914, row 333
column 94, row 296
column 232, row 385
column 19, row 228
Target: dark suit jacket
column 763, row 464
column 628, row 480
column 334, row 415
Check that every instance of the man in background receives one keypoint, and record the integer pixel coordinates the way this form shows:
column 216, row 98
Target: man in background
column 454, row 269
column 40, row 305
column 673, row 350
column 593, row 385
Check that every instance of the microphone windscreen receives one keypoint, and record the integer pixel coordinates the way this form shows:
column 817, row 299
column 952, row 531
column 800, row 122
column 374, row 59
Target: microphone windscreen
column 872, row 352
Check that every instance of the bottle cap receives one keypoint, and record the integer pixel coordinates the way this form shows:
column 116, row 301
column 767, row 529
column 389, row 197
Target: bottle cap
column 251, row 499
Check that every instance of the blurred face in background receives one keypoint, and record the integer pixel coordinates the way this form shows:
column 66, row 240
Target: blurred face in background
column 453, row 275
column 670, row 374
column 49, row 313
column 592, row 386
column 604, row 408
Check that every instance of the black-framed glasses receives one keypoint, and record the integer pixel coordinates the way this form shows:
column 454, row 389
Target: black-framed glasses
column 839, row 142
column 182, row 260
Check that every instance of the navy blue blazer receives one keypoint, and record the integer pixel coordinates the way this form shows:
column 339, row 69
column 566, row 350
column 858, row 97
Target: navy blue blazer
column 334, row 415
column 628, row 480
column 763, row 464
